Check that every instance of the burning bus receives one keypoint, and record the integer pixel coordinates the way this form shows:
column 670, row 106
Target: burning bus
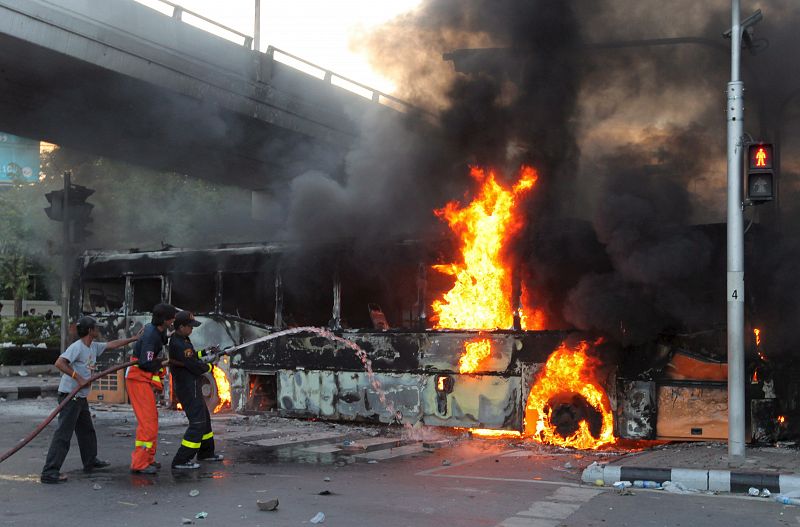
column 450, row 334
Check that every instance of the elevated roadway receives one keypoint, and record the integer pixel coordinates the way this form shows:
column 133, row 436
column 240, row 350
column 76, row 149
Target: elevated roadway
column 119, row 79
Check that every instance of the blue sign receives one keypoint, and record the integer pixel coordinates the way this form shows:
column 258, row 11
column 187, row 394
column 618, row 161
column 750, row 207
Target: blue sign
column 19, row 158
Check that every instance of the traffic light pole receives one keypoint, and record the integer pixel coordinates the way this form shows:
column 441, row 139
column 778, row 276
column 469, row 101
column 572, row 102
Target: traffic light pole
column 65, row 265
column 735, row 271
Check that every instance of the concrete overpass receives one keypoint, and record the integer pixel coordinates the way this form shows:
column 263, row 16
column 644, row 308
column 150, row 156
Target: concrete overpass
column 116, row 78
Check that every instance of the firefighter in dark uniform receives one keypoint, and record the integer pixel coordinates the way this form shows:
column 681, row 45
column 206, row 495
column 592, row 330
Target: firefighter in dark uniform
column 188, row 367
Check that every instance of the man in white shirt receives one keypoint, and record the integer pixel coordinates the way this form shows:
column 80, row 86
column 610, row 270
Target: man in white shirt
column 76, row 364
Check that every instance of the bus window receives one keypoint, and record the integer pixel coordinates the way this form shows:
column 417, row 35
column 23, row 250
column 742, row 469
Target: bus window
column 194, row 292
column 307, row 292
column 146, row 294
column 249, row 295
column 103, row 295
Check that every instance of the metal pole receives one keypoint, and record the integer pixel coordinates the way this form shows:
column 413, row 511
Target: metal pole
column 65, row 265
column 735, row 272
column 257, row 27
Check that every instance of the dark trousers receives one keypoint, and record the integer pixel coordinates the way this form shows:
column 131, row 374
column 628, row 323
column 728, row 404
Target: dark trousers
column 74, row 417
column 198, row 440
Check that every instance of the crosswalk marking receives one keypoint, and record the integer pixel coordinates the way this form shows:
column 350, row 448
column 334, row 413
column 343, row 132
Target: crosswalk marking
column 549, row 513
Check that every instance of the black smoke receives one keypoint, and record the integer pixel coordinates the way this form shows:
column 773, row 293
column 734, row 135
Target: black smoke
column 626, row 228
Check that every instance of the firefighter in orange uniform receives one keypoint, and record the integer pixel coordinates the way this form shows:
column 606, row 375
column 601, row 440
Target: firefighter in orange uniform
column 142, row 380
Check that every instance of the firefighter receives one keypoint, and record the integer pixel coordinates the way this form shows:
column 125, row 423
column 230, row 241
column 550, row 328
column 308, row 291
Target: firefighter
column 143, row 380
column 187, row 367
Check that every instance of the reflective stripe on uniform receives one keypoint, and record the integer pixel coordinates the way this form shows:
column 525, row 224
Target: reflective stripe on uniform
column 189, row 444
column 156, row 378
column 145, row 444
column 210, row 367
column 208, row 436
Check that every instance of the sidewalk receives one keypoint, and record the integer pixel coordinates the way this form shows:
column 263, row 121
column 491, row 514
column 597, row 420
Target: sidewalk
column 703, row 466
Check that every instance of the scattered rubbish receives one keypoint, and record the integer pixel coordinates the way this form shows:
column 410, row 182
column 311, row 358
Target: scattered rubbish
column 372, row 461
column 129, row 504
column 201, row 515
column 267, row 505
column 122, row 434
column 22, row 373
column 194, row 492
column 325, row 493
column 326, row 478
column 620, row 485
column 186, row 521
column 567, row 465
column 646, row 484
column 446, row 462
column 676, row 488
column 753, row 491
column 786, row 500
column 599, row 482
column 318, row 518
column 96, row 486
column 766, row 493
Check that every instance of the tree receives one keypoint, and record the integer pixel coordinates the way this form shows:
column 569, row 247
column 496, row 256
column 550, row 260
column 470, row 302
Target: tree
column 21, row 240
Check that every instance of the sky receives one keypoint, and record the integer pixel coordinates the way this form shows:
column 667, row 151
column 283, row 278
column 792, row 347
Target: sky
column 323, row 32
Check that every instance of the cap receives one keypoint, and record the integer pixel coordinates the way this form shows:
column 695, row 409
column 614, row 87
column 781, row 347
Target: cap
column 185, row 318
column 85, row 324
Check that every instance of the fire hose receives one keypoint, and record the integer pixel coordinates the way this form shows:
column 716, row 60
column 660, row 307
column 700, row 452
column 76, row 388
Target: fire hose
column 60, row 407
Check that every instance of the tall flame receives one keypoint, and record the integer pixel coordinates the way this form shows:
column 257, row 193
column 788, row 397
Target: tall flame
column 757, row 333
column 223, row 389
column 568, row 371
column 481, row 296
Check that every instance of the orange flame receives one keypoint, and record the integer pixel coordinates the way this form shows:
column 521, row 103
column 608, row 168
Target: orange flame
column 568, row 371
column 223, row 389
column 781, row 419
column 481, row 296
column 475, row 352
column 757, row 333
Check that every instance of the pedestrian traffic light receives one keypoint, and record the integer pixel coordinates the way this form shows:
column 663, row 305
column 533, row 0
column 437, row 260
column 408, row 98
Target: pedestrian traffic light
column 760, row 173
column 56, row 209
column 78, row 211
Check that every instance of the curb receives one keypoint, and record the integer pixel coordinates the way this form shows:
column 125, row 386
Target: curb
column 695, row 479
column 12, row 393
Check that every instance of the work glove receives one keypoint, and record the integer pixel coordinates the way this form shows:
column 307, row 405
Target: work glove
column 209, row 355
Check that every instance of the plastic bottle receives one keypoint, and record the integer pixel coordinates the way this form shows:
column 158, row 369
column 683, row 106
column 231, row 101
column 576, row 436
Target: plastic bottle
column 787, row 501
column 647, row 484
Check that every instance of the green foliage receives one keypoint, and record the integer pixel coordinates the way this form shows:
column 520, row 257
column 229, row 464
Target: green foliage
column 140, row 207
column 23, row 356
column 31, row 331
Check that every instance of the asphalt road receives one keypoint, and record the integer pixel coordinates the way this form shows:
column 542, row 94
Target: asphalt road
column 472, row 483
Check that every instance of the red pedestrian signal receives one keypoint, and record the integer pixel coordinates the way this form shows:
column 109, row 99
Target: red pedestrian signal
column 760, row 156
column 760, row 176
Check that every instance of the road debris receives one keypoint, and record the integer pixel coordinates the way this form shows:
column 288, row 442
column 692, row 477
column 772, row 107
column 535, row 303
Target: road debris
column 318, row 518
column 96, row 486
column 194, row 492
column 201, row 515
column 267, row 505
